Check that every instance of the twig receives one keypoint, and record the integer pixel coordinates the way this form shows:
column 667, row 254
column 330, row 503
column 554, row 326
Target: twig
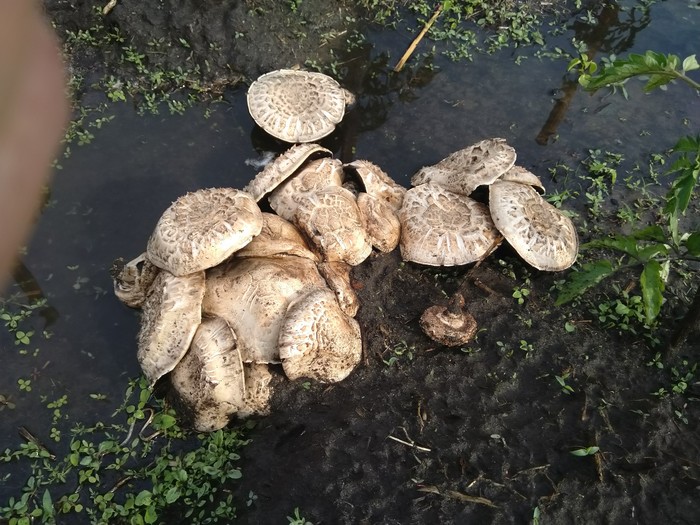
column 409, row 443
column 417, row 40
column 24, row 432
column 459, row 496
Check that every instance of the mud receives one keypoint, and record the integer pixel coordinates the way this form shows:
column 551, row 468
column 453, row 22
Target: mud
column 420, row 433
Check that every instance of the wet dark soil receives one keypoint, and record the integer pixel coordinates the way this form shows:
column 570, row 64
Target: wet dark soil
column 420, row 433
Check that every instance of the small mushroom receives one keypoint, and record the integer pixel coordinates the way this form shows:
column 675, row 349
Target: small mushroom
column 318, row 340
column 202, row 229
column 541, row 234
column 297, row 106
column 210, row 379
column 464, row 170
column 133, row 280
column 449, row 325
column 441, row 228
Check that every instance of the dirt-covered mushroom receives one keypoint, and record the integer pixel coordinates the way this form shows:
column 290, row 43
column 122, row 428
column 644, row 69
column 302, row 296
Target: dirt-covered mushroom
column 318, row 340
column 464, row 170
column 203, row 228
column 170, row 316
column 441, row 228
column 297, row 106
column 539, row 232
column 449, row 325
column 209, row 379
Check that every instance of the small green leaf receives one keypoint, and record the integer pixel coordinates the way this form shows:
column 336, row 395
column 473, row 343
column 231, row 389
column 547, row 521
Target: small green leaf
column 622, row 243
column 690, row 63
column 588, row 276
column 651, row 233
column 692, row 244
column 143, row 498
column 652, row 289
column 579, row 452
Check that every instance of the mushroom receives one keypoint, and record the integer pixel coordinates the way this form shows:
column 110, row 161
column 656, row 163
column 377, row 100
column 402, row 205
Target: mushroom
column 318, row 340
column 297, row 106
column 441, row 228
column 202, row 229
column 464, row 170
column 539, row 232
column 449, row 325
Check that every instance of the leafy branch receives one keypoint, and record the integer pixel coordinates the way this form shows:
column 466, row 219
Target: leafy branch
column 655, row 247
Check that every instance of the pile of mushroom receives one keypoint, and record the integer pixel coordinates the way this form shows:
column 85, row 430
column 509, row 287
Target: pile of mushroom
column 226, row 290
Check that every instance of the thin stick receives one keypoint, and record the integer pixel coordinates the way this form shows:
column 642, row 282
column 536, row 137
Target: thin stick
column 417, row 40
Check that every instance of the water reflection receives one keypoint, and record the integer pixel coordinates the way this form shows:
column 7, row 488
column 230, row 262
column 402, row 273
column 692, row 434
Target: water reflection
column 608, row 34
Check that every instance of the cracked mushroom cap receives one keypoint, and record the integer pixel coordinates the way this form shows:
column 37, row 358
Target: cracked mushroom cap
column 464, row 170
column 283, row 167
column 449, row 325
column 297, row 106
column 378, row 184
column 540, row 233
column 252, row 294
column 317, row 340
column 441, row 228
column 523, row 176
column 210, row 379
column 337, row 276
column 313, row 176
column 202, row 229
column 332, row 220
column 170, row 316
column 278, row 238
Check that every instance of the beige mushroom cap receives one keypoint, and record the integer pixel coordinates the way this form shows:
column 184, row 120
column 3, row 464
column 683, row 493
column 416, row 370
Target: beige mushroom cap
column 449, row 325
column 441, row 228
column 313, row 176
column 337, row 276
column 210, row 379
column 253, row 295
column 297, row 106
column 464, row 170
column 332, row 220
column 202, row 229
column 319, row 341
column 278, row 238
column 378, row 183
column 540, row 233
column 170, row 317
column 283, row 167
column 523, row 176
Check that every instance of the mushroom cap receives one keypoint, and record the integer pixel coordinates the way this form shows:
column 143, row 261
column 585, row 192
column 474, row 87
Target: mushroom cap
column 449, row 325
column 278, row 238
column 313, row 176
column 283, row 167
column 378, row 184
column 203, row 228
column 464, row 170
column 318, row 340
column 539, row 232
column 332, row 220
column 133, row 280
column 209, row 379
column 253, row 295
column 383, row 226
column 441, row 228
column 170, row 316
column 523, row 176
column 297, row 106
